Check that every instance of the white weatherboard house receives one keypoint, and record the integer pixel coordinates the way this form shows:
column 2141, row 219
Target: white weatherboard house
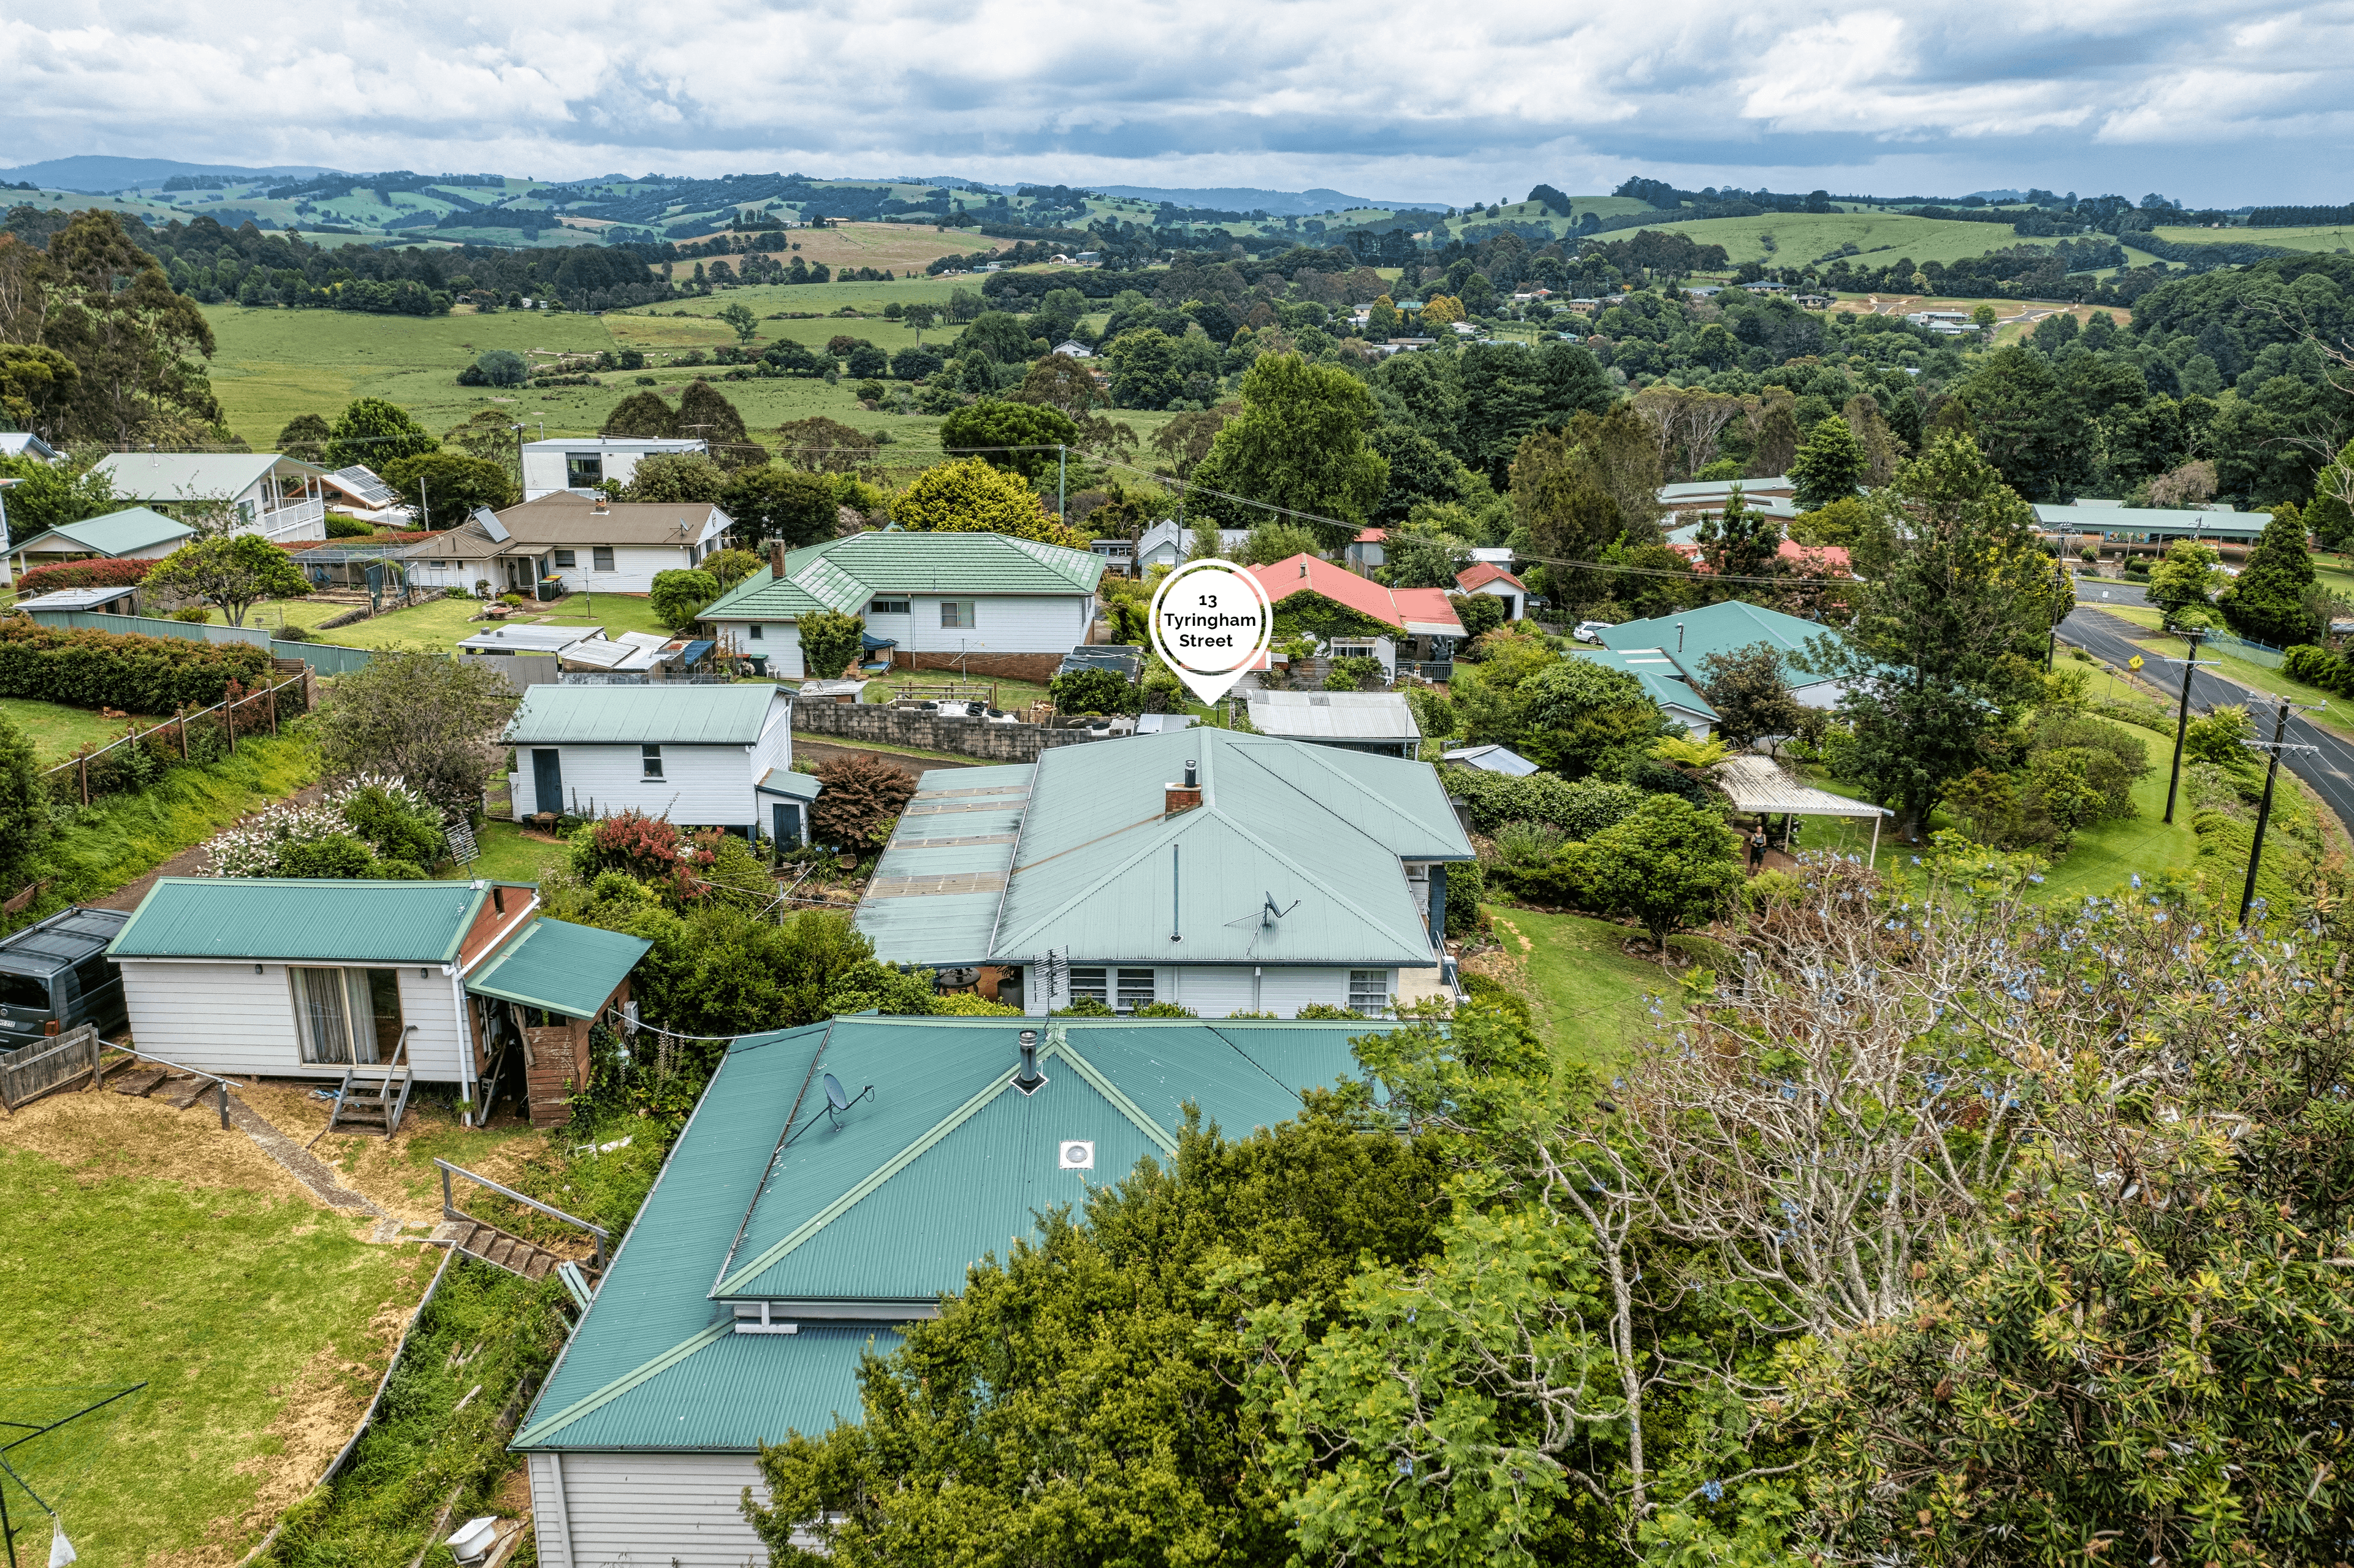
column 588, row 542
column 1225, row 873
column 985, row 603
column 581, row 463
column 309, row 978
column 281, row 498
column 1169, row 543
column 703, row 756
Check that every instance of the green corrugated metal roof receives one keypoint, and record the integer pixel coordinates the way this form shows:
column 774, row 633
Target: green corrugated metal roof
column 116, row 534
column 794, row 786
column 843, row 574
column 561, row 967
column 1101, row 875
column 302, row 921
column 1690, row 636
column 944, row 1165
column 661, row 713
column 1660, row 680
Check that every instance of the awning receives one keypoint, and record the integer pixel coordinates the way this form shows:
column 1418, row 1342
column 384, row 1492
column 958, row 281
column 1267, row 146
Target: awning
column 875, row 644
column 561, row 967
column 1756, row 786
column 792, row 785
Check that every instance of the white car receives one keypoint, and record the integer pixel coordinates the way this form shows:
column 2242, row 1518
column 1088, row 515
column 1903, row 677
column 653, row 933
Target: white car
column 1592, row 630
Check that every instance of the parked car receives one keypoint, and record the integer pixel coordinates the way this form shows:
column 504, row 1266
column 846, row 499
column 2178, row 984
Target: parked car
column 56, row 976
column 1592, row 630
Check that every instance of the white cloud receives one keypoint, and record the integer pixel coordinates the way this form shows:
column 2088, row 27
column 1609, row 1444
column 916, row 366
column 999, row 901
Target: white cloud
column 1380, row 99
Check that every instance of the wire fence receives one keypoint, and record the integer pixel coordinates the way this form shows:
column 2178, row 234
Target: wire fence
column 189, row 738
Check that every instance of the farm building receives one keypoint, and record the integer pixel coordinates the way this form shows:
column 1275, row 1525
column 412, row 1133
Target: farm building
column 785, row 1239
column 1227, row 873
column 586, row 543
column 281, row 498
column 581, row 463
column 133, row 534
column 984, row 604
column 313, row 979
column 705, row 757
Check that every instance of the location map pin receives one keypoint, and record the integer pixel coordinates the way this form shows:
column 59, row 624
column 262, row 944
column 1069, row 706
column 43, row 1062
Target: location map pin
column 1211, row 622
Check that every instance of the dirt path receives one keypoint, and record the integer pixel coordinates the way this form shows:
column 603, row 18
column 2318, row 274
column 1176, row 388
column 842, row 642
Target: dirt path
column 193, row 862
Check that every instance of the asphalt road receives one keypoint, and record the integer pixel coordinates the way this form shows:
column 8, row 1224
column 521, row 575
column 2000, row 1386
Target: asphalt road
column 2328, row 769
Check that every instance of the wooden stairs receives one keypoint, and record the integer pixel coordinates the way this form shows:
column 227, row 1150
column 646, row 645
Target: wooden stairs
column 373, row 1098
column 497, row 1248
column 180, row 1089
column 503, row 1249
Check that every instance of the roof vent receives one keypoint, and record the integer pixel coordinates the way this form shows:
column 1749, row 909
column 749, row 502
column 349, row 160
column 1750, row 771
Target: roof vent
column 1027, row 1078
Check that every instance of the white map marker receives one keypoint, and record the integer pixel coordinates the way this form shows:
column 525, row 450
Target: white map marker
column 1211, row 622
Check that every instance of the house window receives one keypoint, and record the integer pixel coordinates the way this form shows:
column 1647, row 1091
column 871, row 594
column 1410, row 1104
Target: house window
column 752, row 632
column 889, row 607
column 956, row 615
column 1369, row 992
column 651, row 758
column 346, row 1016
column 564, row 558
column 583, row 471
column 601, row 559
column 1090, row 985
column 1135, row 989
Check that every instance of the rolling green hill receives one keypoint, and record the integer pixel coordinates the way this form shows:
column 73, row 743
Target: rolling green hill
column 1880, row 236
column 2338, row 239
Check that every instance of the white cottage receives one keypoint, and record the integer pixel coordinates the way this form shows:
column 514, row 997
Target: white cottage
column 280, row 498
column 310, row 979
column 587, row 542
column 581, row 463
column 705, row 757
column 985, row 604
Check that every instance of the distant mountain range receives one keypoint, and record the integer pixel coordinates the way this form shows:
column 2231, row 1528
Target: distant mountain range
column 97, row 175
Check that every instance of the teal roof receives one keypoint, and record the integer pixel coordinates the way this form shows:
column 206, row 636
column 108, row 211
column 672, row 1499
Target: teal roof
column 116, row 534
column 302, row 921
column 883, row 1209
column 1097, row 872
column 842, row 574
column 1660, row 680
column 1688, row 637
column 658, row 714
column 561, row 967
column 785, row 781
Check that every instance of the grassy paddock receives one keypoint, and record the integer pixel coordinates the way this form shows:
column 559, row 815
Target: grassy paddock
column 1590, row 995
column 1880, row 236
column 58, row 731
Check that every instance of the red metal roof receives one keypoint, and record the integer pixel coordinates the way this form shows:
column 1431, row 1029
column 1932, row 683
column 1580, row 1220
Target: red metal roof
column 1828, row 560
column 1409, row 609
column 1480, row 574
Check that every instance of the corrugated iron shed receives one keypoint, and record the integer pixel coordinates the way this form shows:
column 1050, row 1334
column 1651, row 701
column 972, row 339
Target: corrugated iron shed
column 660, row 715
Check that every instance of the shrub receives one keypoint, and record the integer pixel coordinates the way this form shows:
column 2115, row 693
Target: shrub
column 342, row 836
column 94, row 573
column 342, row 527
column 1092, row 691
column 860, row 801
column 647, row 849
column 1325, row 1010
column 1466, row 889
column 1086, row 1007
column 679, row 595
column 192, row 615
column 1580, row 810
column 123, row 669
column 2314, row 666
column 1353, row 673
column 829, row 642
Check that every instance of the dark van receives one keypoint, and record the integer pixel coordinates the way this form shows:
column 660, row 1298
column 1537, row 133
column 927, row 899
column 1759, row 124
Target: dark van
column 56, row 976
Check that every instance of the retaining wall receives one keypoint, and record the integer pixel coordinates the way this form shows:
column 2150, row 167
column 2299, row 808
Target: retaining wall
column 921, row 731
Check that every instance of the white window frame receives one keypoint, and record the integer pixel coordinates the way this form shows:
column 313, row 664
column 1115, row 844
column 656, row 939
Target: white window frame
column 959, row 615
column 327, row 1025
column 891, row 607
column 649, row 760
column 1133, row 990
column 600, row 557
column 566, row 558
column 1091, row 981
column 1372, row 982
column 752, row 632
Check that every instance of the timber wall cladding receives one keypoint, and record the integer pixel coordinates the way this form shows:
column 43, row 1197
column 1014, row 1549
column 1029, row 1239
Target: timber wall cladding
column 924, row 731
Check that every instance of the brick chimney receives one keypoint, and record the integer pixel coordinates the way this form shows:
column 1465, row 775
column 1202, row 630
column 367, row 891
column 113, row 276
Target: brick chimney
column 1176, row 798
column 776, row 559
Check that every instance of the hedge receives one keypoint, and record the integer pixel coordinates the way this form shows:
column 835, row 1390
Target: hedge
column 124, row 767
column 121, row 669
column 1579, row 810
column 2319, row 667
column 97, row 572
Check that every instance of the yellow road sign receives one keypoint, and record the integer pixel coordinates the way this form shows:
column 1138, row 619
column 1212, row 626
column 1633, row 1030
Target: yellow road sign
column 2133, row 662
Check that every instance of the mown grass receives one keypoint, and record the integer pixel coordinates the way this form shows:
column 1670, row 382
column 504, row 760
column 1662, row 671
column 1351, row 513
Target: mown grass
column 97, row 848
column 1591, row 997
column 58, row 731
column 2312, row 239
column 509, row 855
column 2333, row 712
column 234, row 1306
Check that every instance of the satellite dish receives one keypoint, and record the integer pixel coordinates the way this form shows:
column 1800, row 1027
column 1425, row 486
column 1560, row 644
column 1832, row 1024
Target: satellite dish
column 834, row 1093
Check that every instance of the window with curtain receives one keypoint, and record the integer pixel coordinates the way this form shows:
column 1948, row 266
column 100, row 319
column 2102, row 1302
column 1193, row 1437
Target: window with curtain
column 347, row 1016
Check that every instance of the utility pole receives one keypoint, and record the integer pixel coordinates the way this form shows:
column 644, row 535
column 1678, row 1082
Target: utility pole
column 425, row 502
column 2278, row 743
column 2059, row 613
column 2190, row 635
column 1062, row 470
column 517, row 429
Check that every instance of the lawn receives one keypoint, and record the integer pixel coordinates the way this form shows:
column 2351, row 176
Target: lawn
column 2098, row 859
column 1591, row 997
column 2334, row 713
column 58, row 731
column 151, row 1246
column 510, row 854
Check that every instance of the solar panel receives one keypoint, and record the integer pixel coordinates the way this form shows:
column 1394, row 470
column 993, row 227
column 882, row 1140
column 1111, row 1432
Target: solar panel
column 364, row 484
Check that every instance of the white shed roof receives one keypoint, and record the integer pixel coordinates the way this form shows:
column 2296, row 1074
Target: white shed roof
column 1756, row 785
column 1334, row 715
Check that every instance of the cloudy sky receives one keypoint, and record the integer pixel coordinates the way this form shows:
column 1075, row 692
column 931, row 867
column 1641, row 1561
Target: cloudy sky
column 2223, row 101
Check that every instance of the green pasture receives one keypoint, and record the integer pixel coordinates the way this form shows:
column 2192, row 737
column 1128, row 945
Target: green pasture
column 1880, row 237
